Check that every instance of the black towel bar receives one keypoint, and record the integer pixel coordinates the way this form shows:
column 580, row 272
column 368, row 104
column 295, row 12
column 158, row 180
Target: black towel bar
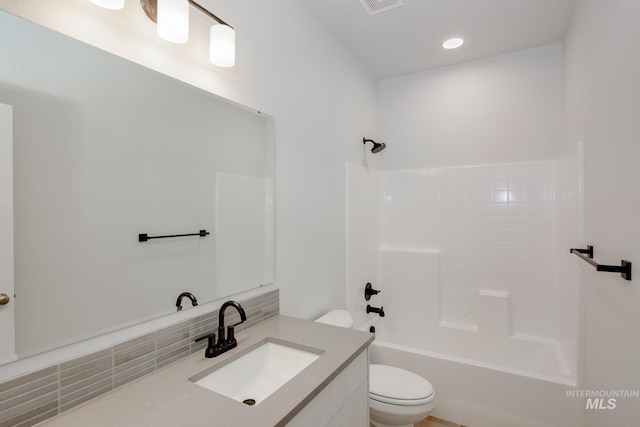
column 145, row 237
column 587, row 255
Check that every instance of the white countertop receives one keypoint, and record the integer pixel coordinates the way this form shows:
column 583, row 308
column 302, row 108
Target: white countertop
column 168, row 398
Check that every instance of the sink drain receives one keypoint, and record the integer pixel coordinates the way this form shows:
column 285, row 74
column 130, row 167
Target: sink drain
column 249, row 402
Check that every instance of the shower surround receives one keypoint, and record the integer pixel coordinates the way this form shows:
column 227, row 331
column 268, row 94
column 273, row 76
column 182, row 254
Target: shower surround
column 468, row 261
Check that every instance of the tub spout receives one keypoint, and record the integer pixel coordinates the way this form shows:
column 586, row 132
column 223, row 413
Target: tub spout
column 380, row 310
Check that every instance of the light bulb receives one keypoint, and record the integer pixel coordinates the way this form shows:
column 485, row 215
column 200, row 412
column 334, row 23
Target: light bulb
column 453, row 43
column 109, row 4
column 173, row 20
column 222, row 47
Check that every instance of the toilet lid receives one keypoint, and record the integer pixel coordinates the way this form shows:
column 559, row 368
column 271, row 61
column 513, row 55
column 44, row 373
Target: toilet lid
column 398, row 386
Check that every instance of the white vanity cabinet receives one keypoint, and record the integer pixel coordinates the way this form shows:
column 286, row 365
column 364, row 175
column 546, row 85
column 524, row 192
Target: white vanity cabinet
column 344, row 402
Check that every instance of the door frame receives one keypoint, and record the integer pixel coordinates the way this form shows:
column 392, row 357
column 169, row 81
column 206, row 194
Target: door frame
column 7, row 311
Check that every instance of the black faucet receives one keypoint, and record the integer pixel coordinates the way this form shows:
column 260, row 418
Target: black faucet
column 189, row 295
column 380, row 310
column 229, row 342
column 224, row 343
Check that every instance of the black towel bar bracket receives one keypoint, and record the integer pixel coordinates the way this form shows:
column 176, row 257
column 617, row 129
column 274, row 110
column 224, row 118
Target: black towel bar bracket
column 587, row 255
column 145, row 237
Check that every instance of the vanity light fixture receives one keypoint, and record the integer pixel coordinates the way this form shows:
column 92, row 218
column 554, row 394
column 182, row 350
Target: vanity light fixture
column 452, row 43
column 109, row 4
column 172, row 18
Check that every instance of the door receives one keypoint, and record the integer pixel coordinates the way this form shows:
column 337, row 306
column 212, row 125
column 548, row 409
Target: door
column 7, row 329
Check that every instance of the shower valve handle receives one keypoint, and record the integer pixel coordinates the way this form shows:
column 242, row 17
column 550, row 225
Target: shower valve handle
column 369, row 291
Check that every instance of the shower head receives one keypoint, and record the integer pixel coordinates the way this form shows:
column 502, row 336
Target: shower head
column 377, row 146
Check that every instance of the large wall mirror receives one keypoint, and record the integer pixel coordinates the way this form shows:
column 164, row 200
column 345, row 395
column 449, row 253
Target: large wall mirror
column 104, row 150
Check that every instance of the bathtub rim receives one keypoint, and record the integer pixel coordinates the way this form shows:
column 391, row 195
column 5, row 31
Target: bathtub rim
column 572, row 382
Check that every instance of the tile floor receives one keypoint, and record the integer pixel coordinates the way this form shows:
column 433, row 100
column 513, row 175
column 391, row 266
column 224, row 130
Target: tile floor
column 436, row 422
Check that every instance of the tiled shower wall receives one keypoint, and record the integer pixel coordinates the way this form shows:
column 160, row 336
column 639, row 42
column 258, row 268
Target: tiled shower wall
column 32, row 398
column 494, row 226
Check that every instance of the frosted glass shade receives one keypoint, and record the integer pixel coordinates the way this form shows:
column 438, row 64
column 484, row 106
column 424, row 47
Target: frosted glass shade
column 222, row 47
column 109, row 4
column 173, row 20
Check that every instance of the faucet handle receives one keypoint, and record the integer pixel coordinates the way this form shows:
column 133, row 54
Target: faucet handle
column 230, row 333
column 211, row 348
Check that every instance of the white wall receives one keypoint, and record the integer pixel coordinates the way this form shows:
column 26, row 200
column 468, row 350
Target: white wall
column 289, row 66
column 603, row 102
column 503, row 109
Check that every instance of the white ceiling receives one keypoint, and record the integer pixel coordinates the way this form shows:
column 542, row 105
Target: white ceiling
column 409, row 39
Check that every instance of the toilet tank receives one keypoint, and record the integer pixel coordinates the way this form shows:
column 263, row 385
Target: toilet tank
column 337, row 318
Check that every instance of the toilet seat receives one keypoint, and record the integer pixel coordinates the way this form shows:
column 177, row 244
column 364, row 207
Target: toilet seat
column 396, row 386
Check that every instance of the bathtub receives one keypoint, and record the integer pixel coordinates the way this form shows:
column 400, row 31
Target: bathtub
column 479, row 394
column 485, row 372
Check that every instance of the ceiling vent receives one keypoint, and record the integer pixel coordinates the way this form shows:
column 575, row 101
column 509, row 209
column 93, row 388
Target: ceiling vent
column 373, row 7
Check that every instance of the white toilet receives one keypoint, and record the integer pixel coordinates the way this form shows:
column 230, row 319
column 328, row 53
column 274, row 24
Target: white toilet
column 397, row 397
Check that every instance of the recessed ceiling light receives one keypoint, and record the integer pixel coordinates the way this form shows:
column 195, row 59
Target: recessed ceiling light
column 452, row 43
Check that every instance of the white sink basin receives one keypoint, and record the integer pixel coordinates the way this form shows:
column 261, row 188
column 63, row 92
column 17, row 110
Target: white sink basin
column 254, row 375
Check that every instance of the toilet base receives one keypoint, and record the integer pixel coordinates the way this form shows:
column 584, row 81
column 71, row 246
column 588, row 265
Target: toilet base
column 377, row 424
column 385, row 415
